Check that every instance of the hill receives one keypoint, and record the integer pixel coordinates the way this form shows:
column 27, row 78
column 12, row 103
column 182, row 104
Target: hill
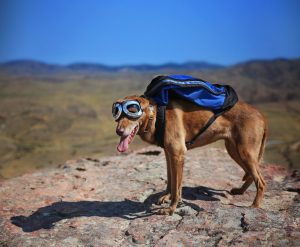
column 111, row 202
column 265, row 81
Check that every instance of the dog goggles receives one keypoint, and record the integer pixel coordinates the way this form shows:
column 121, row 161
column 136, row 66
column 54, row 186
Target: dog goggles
column 129, row 108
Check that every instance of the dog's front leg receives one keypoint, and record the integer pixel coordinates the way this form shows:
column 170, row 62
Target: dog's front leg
column 176, row 170
column 167, row 194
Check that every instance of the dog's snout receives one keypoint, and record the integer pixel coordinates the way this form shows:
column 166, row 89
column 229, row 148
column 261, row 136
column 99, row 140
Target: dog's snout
column 120, row 132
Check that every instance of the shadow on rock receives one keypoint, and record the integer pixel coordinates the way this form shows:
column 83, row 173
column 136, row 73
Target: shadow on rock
column 45, row 217
column 202, row 193
column 154, row 153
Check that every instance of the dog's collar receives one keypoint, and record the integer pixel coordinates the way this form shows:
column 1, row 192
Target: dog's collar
column 151, row 117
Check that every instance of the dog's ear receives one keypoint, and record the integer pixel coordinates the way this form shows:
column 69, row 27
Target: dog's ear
column 144, row 102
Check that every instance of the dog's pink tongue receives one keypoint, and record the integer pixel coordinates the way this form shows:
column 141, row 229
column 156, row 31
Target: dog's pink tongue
column 123, row 145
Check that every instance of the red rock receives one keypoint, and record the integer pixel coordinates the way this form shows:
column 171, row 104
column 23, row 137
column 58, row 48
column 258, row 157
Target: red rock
column 87, row 206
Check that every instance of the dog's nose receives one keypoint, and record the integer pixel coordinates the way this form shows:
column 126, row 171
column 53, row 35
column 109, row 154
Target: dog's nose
column 120, row 132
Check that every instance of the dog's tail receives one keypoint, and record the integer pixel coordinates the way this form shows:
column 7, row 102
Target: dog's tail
column 263, row 143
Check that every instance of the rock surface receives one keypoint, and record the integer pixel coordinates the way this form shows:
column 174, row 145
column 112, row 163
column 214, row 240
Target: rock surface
column 111, row 202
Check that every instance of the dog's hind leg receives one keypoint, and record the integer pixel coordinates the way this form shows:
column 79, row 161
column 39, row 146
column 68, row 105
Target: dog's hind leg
column 250, row 159
column 167, row 193
column 244, row 187
column 232, row 151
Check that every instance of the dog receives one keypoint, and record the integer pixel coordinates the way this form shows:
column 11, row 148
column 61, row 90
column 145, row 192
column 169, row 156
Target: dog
column 243, row 128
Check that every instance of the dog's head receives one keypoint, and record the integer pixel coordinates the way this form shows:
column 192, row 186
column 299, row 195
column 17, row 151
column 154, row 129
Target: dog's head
column 130, row 114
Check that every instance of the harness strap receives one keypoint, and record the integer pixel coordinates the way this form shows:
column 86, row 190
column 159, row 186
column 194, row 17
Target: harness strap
column 160, row 125
column 205, row 127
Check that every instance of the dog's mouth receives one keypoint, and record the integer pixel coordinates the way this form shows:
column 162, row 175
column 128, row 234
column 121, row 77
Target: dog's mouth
column 126, row 140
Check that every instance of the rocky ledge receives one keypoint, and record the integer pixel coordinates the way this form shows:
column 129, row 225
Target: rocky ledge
column 111, row 202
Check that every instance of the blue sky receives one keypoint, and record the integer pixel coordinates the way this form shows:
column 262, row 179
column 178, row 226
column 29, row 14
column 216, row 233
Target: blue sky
column 155, row 31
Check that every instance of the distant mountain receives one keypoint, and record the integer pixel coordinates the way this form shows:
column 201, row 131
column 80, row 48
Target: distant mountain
column 172, row 66
column 31, row 67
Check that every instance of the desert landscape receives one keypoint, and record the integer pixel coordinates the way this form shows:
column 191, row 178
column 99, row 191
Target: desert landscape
column 51, row 113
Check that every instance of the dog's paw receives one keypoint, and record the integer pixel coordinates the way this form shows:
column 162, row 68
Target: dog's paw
column 164, row 198
column 236, row 191
column 255, row 205
column 166, row 211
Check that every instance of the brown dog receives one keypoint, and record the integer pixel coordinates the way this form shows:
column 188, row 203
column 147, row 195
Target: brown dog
column 243, row 128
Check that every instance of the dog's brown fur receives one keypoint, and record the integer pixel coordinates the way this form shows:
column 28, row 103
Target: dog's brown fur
column 243, row 128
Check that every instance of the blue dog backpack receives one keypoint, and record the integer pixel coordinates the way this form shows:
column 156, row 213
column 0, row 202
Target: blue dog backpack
column 214, row 97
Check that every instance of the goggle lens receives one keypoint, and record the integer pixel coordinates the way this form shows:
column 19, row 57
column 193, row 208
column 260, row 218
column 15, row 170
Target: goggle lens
column 133, row 108
column 116, row 110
